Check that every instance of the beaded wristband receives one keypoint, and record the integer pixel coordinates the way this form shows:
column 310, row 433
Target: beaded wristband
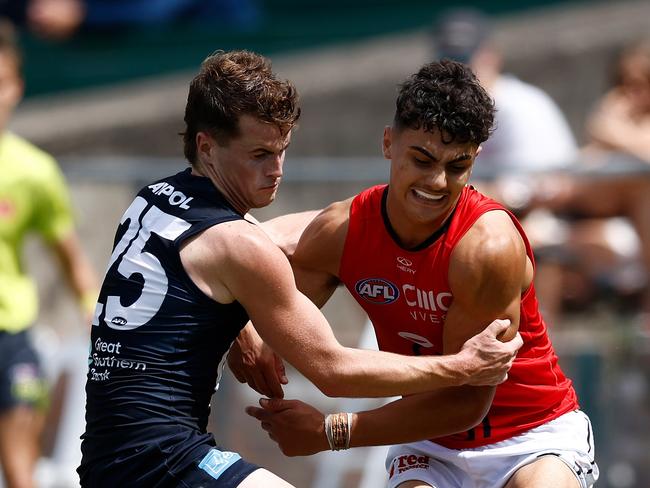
column 337, row 430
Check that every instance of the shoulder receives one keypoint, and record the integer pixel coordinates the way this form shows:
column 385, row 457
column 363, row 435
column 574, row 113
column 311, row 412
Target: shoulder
column 37, row 170
column 229, row 259
column 333, row 218
column 236, row 241
column 492, row 237
column 27, row 153
column 321, row 244
column 490, row 258
column 331, row 224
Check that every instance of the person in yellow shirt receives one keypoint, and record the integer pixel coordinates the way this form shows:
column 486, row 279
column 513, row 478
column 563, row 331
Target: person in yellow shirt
column 33, row 198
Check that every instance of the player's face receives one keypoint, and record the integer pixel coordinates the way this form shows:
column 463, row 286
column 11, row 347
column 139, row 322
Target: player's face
column 427, row 177
column 11, row 87
column 248, row 169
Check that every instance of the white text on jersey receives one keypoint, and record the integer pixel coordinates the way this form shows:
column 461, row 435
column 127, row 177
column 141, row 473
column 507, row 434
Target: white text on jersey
column 175, row 197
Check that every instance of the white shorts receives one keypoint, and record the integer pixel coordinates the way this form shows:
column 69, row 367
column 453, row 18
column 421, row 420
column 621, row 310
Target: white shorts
column 569, row 437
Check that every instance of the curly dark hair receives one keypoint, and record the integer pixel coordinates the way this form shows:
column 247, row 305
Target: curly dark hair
column 447, row 96
column 232, row 84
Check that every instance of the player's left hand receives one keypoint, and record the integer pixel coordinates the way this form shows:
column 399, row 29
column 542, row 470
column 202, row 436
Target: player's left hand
column 252, row 361
column 298, row 428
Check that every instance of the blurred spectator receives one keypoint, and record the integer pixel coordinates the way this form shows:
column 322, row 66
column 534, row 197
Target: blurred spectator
column 523, row 110
column 60, row 19
column 33, row 198
column 618, row 135
column 621, row 123
column 613, row 253
column 514, row 150
column 532, row 165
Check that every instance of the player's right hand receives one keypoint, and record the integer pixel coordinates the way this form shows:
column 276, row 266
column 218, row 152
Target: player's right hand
column 488, row 359
column 296, row 426
column 253, row 362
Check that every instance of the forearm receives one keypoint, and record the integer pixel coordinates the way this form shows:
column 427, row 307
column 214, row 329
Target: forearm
column 364, row 373
column 420, row 417
column 78, row 271
column 625, row 136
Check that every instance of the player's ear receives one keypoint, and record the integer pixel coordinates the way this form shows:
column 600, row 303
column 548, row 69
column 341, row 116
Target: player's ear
column 387, row 141
column 204, row 145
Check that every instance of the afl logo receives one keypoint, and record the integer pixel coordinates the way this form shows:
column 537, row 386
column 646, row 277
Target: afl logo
column 119, row 321
column 376, row 290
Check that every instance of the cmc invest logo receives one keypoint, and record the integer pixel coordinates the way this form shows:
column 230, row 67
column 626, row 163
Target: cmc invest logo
column 376, row 290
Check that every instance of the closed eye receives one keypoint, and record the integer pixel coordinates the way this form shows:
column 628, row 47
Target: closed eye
column 457, row 168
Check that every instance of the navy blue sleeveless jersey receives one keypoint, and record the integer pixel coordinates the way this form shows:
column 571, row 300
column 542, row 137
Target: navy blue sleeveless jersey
column 157, row 344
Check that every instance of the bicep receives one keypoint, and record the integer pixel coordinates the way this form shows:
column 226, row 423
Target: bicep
column 318, row 286
column 318, row 254
column 259, row 277
column 487, row 274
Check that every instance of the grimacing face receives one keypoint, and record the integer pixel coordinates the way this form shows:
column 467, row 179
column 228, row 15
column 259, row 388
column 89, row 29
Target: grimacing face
column 427, row 177
column 248, row 168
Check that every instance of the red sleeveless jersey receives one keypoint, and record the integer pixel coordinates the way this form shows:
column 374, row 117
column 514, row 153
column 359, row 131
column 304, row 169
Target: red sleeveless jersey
column 406, row 294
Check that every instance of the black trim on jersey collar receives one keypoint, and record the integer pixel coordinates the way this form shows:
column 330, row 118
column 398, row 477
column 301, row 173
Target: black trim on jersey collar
column 424, row 244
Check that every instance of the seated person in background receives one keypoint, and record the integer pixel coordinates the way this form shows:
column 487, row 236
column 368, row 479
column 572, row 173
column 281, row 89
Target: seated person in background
column 575, row 257
column 618, row 147
column 621, row 122
column 523, row 111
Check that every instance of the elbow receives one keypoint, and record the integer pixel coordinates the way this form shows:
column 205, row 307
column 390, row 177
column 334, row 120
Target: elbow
column 331, row 381
column 330, row 390
column 473, row 416
column 474, row 408
column 330, row 386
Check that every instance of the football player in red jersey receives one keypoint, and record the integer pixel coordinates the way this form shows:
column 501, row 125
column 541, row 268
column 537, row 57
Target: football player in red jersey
column 433, row 262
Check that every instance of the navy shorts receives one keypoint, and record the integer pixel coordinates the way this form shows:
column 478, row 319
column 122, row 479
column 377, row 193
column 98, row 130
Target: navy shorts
column 21, row 378
column 217, row 469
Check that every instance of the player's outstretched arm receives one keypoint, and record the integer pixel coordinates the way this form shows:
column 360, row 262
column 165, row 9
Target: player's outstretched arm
column 490, row 287
column 299, row 428
column 250, row 359
column 237, row 261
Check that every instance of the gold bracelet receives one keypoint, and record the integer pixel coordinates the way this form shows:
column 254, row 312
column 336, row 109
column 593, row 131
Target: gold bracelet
column 337, row 430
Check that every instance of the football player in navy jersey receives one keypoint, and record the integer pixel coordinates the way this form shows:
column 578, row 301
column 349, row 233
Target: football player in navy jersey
column 186, row 274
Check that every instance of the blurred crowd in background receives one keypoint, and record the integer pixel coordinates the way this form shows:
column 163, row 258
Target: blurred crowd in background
column 580, row 187
column 63, row 19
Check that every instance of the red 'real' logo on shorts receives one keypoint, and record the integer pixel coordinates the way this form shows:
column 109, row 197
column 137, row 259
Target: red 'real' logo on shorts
column 410, row 461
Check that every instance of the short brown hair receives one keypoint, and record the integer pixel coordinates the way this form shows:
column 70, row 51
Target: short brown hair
column 232, row 84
